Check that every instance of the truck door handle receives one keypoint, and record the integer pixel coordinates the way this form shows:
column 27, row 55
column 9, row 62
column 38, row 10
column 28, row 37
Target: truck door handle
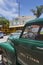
column 39, row 48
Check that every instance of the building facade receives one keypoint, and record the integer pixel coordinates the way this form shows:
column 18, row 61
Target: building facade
column 21, row 20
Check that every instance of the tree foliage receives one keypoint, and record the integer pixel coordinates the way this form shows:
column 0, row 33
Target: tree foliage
column 4, row 21
column 38, row 11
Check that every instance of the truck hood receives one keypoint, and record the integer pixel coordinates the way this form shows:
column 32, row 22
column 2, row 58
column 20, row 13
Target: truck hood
column 14, row 37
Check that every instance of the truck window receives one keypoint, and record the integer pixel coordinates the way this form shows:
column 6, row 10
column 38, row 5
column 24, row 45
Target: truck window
column 41, row 32
column 31, row 31
column 40, row 35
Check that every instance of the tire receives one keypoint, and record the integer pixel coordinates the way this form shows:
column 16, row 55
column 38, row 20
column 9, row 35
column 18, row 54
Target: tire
column 8, row 58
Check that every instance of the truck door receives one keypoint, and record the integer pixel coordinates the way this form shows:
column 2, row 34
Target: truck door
column 30, row 48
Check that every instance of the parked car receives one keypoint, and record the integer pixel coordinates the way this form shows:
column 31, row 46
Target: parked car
column 28, row 47
column 1, row 34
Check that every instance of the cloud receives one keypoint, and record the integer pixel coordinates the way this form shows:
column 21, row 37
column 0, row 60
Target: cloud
column 8, row 8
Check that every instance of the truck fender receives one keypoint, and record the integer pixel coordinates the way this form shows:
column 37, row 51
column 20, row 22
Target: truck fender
column 7, row 46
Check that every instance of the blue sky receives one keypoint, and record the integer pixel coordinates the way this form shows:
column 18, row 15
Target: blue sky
column 27, row 5
column 9, row 8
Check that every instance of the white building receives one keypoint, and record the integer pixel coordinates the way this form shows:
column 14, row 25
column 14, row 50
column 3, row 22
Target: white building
column 21, row 20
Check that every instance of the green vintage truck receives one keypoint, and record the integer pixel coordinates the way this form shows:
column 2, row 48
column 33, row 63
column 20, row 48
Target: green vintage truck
column 26, row 48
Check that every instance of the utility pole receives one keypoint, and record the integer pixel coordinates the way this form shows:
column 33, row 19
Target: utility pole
column 19, row 8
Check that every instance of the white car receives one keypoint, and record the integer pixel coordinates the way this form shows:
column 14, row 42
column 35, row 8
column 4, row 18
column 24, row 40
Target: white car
column 1, row 34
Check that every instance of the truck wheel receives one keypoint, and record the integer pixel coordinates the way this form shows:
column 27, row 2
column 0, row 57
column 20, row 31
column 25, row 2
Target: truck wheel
column 8, row 58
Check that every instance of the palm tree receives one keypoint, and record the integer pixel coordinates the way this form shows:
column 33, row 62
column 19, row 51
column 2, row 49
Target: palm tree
column 38, row 11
